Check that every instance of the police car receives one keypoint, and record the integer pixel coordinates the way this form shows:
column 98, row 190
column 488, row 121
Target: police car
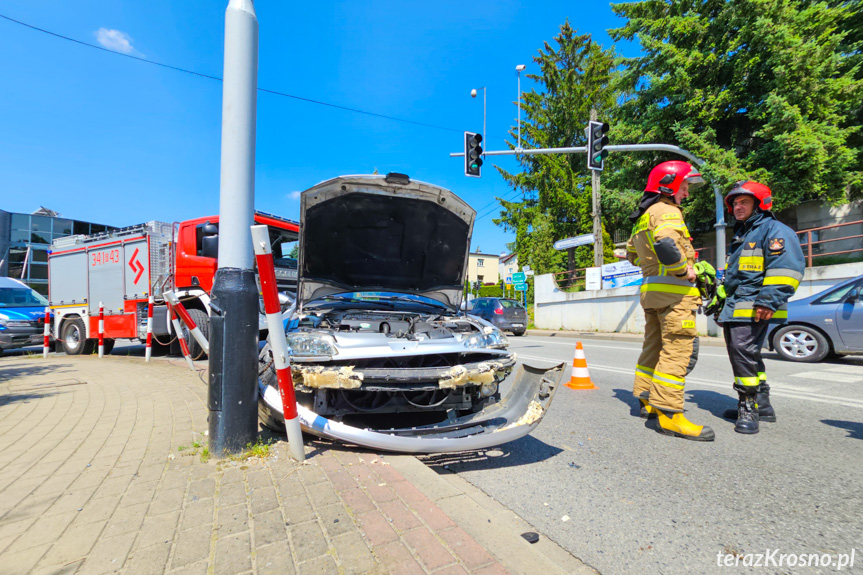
column 22, row 315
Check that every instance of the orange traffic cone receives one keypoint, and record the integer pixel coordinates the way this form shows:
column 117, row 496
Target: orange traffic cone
column 580, row 378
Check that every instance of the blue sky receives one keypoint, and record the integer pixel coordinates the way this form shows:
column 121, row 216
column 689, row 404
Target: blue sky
column 99, row 137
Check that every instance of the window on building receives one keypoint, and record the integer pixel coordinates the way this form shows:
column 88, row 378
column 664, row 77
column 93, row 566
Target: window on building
column 480, row 262
column 62, row 228
column 479, row 278
column 20, row 222
column 16, row 262
column 38, row 271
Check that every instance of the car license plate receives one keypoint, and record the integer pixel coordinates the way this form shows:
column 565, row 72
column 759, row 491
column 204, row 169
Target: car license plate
column 516, row 325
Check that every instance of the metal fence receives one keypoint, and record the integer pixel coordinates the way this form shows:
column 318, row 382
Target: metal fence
column 813, row 241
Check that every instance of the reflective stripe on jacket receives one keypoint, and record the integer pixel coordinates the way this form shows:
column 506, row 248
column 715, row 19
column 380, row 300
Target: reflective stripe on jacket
column 663, row 285
column 765, row 266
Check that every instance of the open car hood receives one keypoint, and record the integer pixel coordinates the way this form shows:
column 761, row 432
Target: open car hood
column 513, row 417
column 364, row 233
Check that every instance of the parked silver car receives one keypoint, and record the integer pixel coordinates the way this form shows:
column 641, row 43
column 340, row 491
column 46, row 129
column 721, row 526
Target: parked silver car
column 376, row 331
column 824, row 323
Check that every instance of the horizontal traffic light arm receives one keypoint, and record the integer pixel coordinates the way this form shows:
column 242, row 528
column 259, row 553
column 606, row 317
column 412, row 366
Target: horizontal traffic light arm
column 583, row 149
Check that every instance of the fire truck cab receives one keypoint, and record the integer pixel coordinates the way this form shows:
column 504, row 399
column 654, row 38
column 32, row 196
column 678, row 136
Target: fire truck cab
column 121, row 269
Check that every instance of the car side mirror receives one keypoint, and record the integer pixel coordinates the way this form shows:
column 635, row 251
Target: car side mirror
column 852, row 296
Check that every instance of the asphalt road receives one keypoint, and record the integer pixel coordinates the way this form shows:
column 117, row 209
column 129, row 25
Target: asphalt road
column 606, row 486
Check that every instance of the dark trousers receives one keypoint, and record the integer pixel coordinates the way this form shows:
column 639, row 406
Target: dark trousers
column 743, row 342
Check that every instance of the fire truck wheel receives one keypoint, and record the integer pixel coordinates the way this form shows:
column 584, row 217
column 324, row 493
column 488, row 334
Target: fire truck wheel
column 109, row 345
column 202, row 320
column 74, row 338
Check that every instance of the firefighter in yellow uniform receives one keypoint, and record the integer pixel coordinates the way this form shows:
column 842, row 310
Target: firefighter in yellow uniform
column 660, row 246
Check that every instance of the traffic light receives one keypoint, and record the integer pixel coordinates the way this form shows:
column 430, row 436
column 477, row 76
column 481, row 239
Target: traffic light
column 472, row 154
column 596, row 142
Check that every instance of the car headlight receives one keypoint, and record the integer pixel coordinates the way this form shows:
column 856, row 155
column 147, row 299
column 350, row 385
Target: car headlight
column 308, row 344
column 491, row 337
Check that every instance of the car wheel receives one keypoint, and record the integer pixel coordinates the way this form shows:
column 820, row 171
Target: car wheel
column 202, row 320
column 800, row 343
column 74, row 338
column 519, row 333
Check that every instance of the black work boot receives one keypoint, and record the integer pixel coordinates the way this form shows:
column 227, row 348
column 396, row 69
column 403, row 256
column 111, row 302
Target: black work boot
column 747, row 414
column 762, row 401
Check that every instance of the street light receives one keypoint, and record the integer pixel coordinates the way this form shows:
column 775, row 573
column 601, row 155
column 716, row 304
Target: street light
column 473, row 95
column 518, row 69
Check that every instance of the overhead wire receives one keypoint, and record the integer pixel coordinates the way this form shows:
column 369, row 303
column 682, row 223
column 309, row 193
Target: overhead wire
column 211, row 77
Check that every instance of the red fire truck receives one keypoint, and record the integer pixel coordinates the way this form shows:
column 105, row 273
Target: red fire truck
column 120, row 269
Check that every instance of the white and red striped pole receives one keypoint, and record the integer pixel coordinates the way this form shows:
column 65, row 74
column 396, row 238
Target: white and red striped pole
column 46, row 332
column 149, row 350
column 278, row 340
column 183, row 346
column 101, row 329
column 196, row 332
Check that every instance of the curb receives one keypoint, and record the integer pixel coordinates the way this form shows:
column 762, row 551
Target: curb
column 492, row 525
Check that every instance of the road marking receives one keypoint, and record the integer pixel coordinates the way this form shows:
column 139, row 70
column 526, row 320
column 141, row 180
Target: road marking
column 591, row 344
column 778, row 392
column 831, row 375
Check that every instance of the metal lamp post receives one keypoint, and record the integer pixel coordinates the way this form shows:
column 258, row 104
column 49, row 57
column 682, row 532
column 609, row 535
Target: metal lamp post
column 518, row 69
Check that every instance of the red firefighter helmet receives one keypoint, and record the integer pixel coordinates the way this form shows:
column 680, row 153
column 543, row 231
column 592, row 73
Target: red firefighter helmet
column 667, row 177
column 762, row 194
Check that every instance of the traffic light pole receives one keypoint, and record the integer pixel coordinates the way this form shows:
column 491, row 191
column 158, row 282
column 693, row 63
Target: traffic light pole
column 717, row 194
column 598, row 258
column 232, row 390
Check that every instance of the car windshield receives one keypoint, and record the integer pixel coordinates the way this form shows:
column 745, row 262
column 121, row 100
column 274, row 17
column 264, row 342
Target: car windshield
column 21, row 297
column 510, row 303
column 373, row 298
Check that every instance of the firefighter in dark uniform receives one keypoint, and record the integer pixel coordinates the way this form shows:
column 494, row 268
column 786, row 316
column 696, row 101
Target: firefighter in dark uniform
column 660, row 246
column 765, row 266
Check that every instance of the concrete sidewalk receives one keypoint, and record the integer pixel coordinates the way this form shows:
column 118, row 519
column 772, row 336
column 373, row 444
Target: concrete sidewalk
column 104, row 469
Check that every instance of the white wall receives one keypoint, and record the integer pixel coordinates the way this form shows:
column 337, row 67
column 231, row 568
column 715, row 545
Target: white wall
column 618, row 310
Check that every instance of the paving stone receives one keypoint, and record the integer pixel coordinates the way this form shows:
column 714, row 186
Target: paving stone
column 23, row 561
column 167, row 501
column 380, row 492
column 157, row 529
column 335, row 519
column 308, row 541
column 72, row 501
column 233, row 555
column 341, row 479
column 197, row 513
column 400, row 515
column 263, row 499
column 493, row 569
column 455, row 569
column 274, row 559
column 398, row 559
column 108, row 555
column 194, row 569
column 76, row 542
column 193, row 545
column 126, row 519
column 148, row 560
column 202, row 489
column 354, row 555
column 323, row 494
column 232, row 520
column 270, row 528
column 232, row 494
column 46, row 529
column 465, row 547
column 320, row 566
column 436, row 519
column 139, row 492
column 259, row 478
column 357, row 501
column 376, row 528
column 290, row 486
column 427, row 548
column 297, row 510
column 232, row 476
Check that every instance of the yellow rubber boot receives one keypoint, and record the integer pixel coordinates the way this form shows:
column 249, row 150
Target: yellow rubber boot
column 676, row 424
column 647, row 410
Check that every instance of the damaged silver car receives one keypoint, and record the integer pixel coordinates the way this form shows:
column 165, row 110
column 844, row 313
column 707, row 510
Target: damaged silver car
column 381, row 356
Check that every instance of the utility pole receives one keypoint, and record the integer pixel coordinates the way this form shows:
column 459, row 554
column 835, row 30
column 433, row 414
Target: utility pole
column 232, row 392
column 598, row 258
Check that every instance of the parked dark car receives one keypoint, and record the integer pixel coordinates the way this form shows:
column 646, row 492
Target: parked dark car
column 824, row 323
column 505, row 314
